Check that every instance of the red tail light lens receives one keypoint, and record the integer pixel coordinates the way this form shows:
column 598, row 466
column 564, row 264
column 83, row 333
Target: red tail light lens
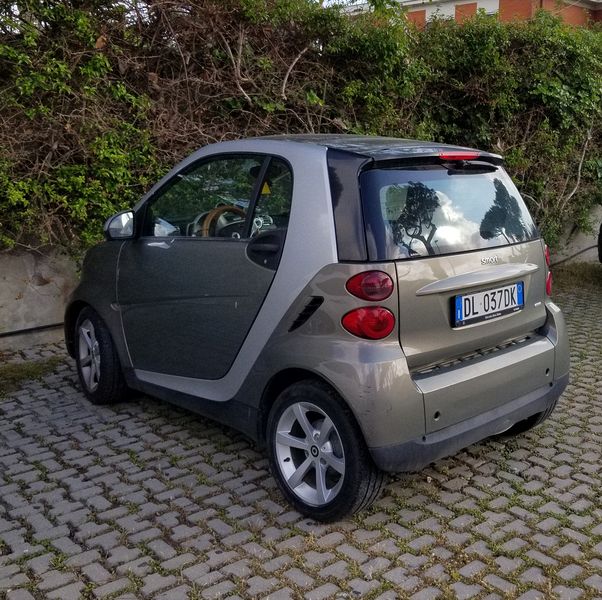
column 370, row 322
column 546, row 251
column 370, row 285
column 549, row 284
column 459, row 155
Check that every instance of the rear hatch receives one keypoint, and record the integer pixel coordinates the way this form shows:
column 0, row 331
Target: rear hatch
column 471, row 280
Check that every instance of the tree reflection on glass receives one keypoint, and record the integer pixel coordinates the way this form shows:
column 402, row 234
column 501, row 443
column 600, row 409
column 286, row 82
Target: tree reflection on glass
column 504, row 217
column 416, row 219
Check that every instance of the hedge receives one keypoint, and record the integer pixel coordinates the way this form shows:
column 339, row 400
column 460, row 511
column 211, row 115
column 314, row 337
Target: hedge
column 98, row 98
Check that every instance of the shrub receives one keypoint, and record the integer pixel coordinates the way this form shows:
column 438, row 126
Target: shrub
column 99, row 98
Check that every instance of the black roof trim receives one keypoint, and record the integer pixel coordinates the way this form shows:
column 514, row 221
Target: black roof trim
column 381, row 148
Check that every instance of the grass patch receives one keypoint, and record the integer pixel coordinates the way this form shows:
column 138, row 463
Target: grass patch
column 576, row 275
column 13, row 375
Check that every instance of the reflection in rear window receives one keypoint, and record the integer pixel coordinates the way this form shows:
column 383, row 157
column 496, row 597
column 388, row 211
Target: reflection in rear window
column 433, row 210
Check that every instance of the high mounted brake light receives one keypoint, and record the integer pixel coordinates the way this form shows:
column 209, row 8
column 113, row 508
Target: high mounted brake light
column 459, row 155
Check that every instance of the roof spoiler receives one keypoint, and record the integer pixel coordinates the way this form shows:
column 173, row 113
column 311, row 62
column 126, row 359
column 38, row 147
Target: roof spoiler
column 439, row 156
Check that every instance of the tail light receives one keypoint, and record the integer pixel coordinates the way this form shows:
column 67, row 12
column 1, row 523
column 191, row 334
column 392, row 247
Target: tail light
column 369, row 322
column 370, row 285
column 549, row 279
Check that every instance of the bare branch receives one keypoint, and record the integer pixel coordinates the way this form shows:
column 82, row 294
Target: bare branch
column 289, row 70
column 567, row 199
column 236, row 65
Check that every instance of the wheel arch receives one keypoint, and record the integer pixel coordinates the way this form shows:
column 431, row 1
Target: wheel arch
column 71, row 314
column 284, row 379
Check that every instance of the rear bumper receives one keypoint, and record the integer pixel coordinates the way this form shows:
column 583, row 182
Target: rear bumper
column 418, row 453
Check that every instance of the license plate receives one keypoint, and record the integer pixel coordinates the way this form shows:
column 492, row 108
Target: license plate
column 482, row 306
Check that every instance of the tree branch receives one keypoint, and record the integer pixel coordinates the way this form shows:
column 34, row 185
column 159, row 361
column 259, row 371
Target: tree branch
column 289, row 70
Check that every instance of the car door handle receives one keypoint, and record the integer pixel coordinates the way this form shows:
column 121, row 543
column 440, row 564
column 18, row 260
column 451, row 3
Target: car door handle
column 266, row 247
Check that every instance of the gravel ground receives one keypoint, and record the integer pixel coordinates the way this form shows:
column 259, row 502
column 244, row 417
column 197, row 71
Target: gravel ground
column 143, row 500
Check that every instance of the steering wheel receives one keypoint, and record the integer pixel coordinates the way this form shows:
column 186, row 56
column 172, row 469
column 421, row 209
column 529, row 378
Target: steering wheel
column 214, row 214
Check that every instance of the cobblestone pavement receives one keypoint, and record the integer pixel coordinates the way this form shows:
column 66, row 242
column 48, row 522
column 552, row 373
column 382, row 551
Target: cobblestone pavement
column 143, row 500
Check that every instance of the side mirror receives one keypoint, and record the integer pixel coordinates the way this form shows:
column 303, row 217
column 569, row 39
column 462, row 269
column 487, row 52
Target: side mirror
column 120, row 226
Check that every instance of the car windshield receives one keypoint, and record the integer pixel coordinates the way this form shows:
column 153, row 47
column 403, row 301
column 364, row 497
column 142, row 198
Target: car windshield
column 433, row 210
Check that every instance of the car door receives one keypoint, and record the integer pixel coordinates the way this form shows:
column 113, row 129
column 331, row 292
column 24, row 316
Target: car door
column 191, row 284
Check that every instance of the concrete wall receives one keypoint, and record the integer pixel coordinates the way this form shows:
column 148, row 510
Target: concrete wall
column 34, row 288
column 33, row 291
column 575, row 241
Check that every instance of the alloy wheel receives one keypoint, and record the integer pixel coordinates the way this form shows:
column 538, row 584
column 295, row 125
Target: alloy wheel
column 89, row 355
column 309, row 453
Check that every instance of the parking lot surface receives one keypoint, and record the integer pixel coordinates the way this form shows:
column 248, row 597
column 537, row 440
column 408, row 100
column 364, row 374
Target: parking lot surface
column 143, row 500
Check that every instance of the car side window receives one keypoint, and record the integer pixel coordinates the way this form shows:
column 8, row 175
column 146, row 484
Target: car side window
column 273, row 206
column 210, row 199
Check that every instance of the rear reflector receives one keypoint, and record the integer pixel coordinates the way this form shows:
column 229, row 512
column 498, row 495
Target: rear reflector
column 370, row 285
column 549, row 284
column 459, row 155
column 370, row 322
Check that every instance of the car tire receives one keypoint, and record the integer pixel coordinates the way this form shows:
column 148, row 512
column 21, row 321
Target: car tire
column 318, row 455
column 530, row 422
column 98, row 365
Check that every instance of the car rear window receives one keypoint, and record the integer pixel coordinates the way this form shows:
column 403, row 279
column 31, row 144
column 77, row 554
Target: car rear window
column 433, row 210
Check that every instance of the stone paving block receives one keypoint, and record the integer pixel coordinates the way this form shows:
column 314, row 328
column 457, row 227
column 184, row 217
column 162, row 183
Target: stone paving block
column 182, row 592
column 162, row 549
column 337, row 570
column 532, row 595
column 594, row 582
column 534, row 576
column 139, row 567
column 299, row 578
column 473, row 569
column 361, row 587
column 96, row 573
column 155, row 582
column 328, row 590
column 258, row 585
column 565, row 593
column 195, row 572
column 187, row 506
column 121, row 555
column 54, row 579
column 501, row 584
column 219, row 590
column 39, row 564
column 69, row 592
column 13, row 581
column 570, row 572
column 19, row 594
column 111, row 588
column 429, row 593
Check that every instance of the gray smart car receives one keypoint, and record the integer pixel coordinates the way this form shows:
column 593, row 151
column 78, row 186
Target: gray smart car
column 356, row 304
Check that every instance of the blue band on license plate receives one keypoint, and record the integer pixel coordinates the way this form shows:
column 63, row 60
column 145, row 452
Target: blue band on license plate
column 489, row 304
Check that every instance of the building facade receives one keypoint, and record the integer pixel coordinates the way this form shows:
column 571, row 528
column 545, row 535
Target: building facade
column 575, row 12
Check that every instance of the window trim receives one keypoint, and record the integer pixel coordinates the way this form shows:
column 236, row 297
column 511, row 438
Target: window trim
column 142, row 213
column 373, row 254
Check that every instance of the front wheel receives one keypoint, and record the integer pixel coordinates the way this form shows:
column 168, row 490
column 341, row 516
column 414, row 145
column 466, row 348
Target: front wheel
column 97, row 362
column 318, row 455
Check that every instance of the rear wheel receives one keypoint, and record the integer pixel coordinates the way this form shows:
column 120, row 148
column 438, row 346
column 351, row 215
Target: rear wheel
column 98, row 365
column 318, row 455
